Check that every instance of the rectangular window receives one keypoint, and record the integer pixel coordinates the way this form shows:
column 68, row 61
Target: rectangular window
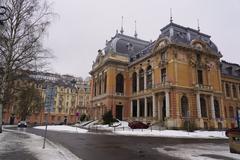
column 141, row 107
column 200, row 76
column 163, row 75
column 134, row 108
column 227, row 90
column 95, row 89
column 234, row 89
column 149, row 107
column 105, row 83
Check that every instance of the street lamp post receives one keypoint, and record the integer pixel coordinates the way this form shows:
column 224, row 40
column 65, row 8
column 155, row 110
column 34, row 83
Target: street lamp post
column 4, row 15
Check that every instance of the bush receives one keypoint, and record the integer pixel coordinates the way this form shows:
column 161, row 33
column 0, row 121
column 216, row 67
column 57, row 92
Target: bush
column 83, row 117
column 108, row 118
column 189, row 126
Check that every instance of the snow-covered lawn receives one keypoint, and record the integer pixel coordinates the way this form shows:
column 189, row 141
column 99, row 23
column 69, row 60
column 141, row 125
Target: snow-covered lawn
column 173, row 133
column 30, row 143
column 63, row 128
column 199, row 152
column 121, row 128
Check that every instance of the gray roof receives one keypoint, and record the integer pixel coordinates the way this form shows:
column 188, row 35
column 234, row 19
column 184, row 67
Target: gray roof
column 181, row 35
column 125, row 45
column 185, row 35
column 230, row 69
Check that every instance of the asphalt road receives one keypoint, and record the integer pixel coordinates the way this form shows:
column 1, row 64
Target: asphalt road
column 112, row 147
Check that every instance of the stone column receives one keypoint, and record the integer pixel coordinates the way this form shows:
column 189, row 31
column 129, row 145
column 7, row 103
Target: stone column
column 145, row 79
column 238, row 91
column 167, row 104
column 224, row 88
column 159, row 108
column 137, row 82
column 198, row 105
column 153, row 82
column 154, row 105
column 212, row 107
column 138, row 107
column 145, row 107
column 231, row 90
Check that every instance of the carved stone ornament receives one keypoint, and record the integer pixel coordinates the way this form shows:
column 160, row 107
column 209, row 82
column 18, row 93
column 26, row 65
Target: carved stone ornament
column 161, row 44
column 192, row 61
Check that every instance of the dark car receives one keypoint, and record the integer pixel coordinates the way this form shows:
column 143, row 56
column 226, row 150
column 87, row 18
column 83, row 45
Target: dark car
column 232, row 130
column 22, row 124
column 137, row 125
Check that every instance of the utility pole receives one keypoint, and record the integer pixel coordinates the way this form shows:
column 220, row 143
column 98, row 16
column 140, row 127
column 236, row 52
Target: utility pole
column 4, row 15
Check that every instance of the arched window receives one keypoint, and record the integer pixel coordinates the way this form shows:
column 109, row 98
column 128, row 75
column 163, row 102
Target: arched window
column 134, row 82
column 184, row 106
column 119, row 83
column 149, row 77
column 217, row 109
column 141, row 80
column 203, row 107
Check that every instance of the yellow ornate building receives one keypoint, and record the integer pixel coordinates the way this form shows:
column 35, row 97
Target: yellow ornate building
column 174, row 79
column 71, row 100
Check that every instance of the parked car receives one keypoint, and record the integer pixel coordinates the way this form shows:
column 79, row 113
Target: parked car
column 138, row 125
column 232, row 130
column 22, row 124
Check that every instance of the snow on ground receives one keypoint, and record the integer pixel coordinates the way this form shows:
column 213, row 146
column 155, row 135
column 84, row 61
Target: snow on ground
column 121, row 128
column 63, row 128
column 199, row 152
column 116, row 125
column 33, row 144
column 173, row 133
column 51, row 151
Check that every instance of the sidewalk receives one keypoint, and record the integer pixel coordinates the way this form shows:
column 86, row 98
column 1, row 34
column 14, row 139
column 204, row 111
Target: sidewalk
column 15, row 145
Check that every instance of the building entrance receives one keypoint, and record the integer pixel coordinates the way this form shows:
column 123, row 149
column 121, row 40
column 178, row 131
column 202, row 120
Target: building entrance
column 119, row 112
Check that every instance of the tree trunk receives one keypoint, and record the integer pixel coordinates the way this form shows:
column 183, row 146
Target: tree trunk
column 3, row 87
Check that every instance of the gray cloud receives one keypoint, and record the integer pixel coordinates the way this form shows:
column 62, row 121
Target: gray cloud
column 85, row 25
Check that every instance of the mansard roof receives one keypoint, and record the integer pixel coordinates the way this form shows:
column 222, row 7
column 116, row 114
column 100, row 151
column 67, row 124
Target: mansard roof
column 180, row 35
column 125, row 45
column 186, row 35
column 230, row 69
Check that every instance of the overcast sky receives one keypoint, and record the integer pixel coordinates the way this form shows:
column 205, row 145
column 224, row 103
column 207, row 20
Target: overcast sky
column 83, row 26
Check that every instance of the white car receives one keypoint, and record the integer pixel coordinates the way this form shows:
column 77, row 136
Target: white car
column 22, row 124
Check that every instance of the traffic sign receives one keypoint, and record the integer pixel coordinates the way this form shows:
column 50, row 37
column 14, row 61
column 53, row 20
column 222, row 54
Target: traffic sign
column 49, row 100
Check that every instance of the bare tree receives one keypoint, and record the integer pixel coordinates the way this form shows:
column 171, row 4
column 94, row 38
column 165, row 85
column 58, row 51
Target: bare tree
column 29, row 101
column 21, row 43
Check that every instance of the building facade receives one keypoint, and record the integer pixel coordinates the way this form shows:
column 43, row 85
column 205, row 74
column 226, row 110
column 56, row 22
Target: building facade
column 71, row 99
column 175, row 79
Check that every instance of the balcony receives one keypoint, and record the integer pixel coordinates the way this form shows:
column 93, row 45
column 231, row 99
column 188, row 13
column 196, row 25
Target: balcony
column 163, row 62
column 203, row 87
column 119, row 94
column 162, row 85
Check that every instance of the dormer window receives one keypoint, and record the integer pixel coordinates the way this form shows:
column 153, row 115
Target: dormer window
column 129, row 46
column 229, row 70
column 238, row 71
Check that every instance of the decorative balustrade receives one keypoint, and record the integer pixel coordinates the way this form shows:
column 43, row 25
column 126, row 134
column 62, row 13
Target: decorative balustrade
column 203, row 87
